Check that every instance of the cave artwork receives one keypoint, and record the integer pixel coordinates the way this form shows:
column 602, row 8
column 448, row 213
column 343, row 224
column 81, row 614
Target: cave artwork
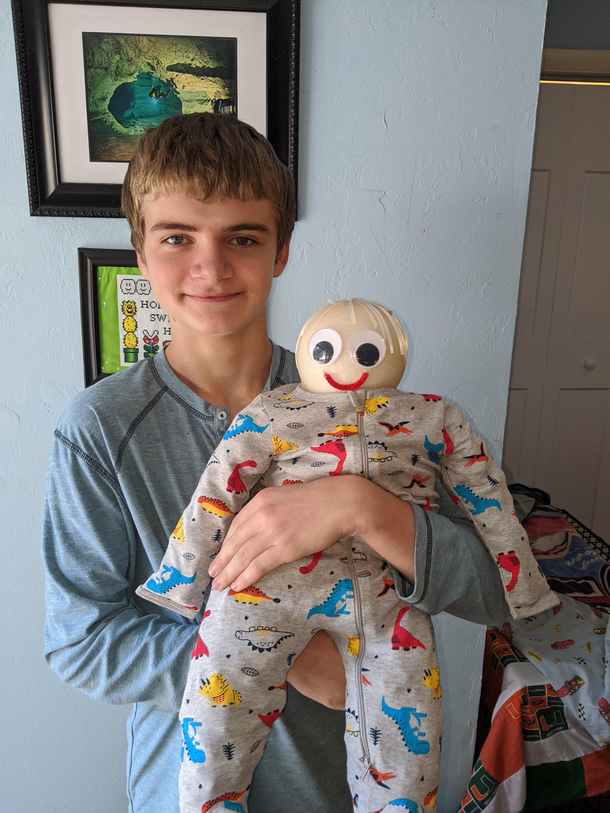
column 135, row 81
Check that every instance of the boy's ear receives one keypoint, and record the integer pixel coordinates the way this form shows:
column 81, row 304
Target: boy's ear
column 142, row 265
column 282, row 258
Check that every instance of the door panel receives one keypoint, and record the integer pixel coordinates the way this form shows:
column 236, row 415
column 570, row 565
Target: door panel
column 559, row 401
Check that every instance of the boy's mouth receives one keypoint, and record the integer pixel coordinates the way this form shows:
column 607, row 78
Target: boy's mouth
column 355, row 386
column 213, row 297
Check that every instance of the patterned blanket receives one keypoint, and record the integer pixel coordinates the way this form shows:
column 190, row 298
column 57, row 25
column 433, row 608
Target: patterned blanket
column 545, row 684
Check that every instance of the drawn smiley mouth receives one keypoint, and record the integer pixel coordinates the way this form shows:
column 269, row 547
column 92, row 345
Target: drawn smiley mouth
column 355, row 386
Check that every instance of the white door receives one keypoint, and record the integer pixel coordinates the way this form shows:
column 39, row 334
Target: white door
column 558, row 427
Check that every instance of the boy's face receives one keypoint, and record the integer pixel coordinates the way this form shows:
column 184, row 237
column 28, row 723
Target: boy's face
column 211, row 265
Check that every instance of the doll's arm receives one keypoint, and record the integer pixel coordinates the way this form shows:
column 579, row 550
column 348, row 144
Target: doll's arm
column 240, row 460
column 478, row 486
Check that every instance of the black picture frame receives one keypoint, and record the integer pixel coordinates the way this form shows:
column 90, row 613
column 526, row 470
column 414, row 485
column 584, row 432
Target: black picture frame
column 89, row 260
column 48, row 194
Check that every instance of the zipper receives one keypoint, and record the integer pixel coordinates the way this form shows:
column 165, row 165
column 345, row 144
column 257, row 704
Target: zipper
column 364, row 449
column 358, row 608
column 359, row 659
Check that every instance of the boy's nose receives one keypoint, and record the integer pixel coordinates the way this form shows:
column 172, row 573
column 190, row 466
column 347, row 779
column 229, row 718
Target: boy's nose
column 211, row 263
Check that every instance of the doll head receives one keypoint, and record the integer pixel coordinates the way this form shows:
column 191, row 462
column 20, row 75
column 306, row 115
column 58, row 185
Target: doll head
column 350, row 345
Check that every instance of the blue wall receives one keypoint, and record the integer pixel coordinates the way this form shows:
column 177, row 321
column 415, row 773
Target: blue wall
column 417, row 122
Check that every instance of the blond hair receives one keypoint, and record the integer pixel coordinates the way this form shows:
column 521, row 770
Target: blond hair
column 381, row 318
column 208, row 157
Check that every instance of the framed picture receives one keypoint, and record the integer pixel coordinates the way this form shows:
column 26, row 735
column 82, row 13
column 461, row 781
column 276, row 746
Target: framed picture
column 120, row 318
column 94, row 75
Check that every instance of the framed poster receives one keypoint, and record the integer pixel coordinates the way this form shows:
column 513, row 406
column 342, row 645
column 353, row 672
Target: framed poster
column 121, row 321
column 93, row 76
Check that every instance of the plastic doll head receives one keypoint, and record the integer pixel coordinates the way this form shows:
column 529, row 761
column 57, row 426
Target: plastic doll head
column 350, row 345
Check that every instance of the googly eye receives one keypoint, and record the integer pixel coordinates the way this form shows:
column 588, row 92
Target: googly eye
column 324, row 346
column 367, row 348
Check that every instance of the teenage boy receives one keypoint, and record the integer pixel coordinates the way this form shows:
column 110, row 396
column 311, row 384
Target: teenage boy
column 211, row 211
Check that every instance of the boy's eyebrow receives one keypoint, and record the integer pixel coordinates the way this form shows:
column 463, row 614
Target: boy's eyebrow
column 249, row 227
column 167, row 225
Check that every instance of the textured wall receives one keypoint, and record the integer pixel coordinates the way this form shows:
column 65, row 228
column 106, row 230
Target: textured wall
column 417, row 123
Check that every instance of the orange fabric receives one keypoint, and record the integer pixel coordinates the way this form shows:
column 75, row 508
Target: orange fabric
column 597, row 771
column 502, row 753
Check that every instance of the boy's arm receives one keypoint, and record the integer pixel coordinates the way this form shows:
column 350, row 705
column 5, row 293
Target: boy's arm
column 279, row 526
column 96, row 637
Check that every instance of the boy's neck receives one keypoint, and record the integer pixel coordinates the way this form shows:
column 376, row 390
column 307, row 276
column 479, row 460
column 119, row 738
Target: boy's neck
column 223, row 370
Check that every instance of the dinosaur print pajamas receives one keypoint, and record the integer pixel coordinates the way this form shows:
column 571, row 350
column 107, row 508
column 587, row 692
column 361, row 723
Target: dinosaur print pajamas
column 248, row 641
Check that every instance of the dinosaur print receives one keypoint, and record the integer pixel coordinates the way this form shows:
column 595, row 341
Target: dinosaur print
column 479, row 504
column 432, row 680
column 434, row 398
column 342, row 431
column 413, row 737
column 481, row 457
column 353, row 645
column 242, row 424
column 510, row 562
column 334, row 606
column 200, row 648
column 395, row 429
column 280, row 445
column 288, row 402
column 449, row 447
column 336, row 448
column 292, row 482
column 371, row 405
column 306, row 569
column 168, row 578
column 270, row 718
column 214, row 506
column 178, row 532
column 418, row 481
column 388, row 584
column 234, row 483
column 263, row 639
column 378, row 452
column 381, row 778
column 352, row 726
column 401, row 638
column 430, row 798
column 433, row 449
column 218, row 690
column 407, row 804
column 252, row 595
column 231, row 802
column 190, row 745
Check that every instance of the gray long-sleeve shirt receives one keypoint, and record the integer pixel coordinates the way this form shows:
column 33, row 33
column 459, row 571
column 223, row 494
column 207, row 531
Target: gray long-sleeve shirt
column 125, row 460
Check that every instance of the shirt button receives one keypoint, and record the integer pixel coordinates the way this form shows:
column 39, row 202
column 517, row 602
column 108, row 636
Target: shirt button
column 222, row 415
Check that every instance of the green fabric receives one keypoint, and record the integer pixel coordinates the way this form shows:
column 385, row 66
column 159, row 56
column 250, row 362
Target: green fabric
column 554, row 784
column 108, row 316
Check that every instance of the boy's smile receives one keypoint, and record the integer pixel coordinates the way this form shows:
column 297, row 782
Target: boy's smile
column 211, row 265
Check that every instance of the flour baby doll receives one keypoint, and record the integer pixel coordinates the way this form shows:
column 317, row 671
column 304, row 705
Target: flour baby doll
column 346, row 417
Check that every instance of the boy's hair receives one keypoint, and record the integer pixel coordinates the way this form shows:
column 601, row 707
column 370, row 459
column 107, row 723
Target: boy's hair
column 209, row 157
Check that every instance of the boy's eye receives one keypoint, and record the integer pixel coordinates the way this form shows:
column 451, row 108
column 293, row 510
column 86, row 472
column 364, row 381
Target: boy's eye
column 367, row 348
column 175, row 240
column 242, row 241
column 324, row 346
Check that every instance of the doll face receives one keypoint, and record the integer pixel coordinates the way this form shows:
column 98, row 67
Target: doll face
column 350, row 347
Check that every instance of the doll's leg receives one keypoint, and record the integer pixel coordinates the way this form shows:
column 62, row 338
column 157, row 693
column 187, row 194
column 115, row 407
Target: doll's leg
column 236, row 689
column 393, row 709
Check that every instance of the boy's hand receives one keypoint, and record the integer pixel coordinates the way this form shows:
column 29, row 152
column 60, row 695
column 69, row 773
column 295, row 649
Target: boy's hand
column 286, row 523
